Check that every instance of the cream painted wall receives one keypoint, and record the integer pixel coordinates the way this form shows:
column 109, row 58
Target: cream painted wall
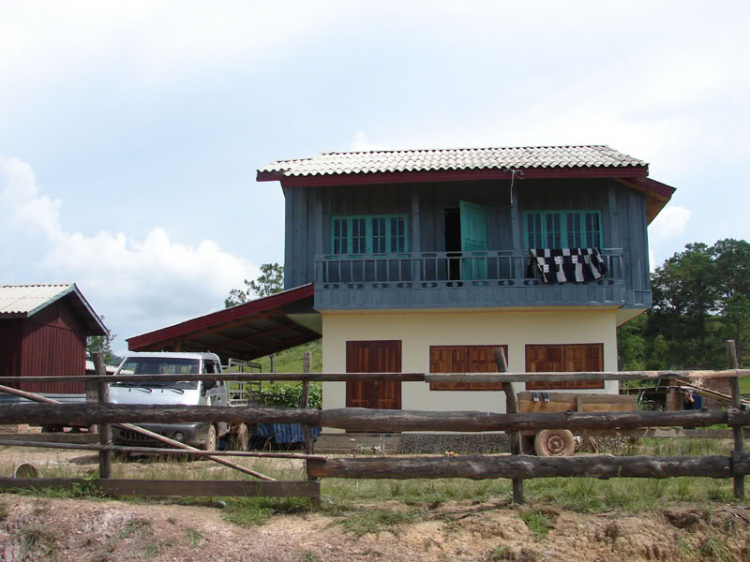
column 418, row 331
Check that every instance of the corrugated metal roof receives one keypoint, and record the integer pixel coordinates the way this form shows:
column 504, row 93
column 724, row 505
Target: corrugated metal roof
column 383, row 161
column 24, row 299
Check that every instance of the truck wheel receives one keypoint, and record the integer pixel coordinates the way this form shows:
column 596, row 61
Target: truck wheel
column 241, row 441
column 212, row 439
column 554, row 443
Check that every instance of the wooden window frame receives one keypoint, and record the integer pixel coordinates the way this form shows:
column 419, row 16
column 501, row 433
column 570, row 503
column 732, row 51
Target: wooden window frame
column 567, row 238
column 466, row 386
column 390, row 237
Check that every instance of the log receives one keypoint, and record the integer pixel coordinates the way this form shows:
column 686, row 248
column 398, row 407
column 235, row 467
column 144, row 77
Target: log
column 172, row 487
column 478, row 467
column 404, row 377
column 384, row 421
column 511, row 407
column 86, row 414
column 229, row 376
column 739, row 445
column 152, row 450
column 105, row 430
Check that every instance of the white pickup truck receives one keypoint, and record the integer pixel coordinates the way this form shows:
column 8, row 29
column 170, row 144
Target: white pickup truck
column 207, row 436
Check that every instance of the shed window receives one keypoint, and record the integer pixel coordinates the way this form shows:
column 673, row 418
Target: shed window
column 562, row 229
column 370, row 234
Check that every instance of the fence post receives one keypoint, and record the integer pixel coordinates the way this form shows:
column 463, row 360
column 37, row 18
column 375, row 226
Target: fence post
column 737, row 431
column 305, row 402
column 511, row 407
column 105, row 431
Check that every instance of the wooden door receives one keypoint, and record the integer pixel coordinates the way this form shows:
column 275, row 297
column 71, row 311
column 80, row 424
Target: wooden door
column 564, row 358
column 373, row 357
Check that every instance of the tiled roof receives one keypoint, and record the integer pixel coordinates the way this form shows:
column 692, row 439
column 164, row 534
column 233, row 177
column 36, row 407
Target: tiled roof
column 384, row 161
column 20, row 299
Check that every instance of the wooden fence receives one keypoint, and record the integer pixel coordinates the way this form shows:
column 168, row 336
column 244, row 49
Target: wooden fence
column 517, row 466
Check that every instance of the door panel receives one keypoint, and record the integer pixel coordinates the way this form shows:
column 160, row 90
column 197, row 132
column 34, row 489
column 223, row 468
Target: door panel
column 564, row 358
column 373, row 357
column 473, row 239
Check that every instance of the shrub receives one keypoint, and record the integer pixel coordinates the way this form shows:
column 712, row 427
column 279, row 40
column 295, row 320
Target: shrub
column 289, row 395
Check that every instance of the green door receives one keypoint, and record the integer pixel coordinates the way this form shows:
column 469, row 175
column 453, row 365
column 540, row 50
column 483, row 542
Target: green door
column 473, row 239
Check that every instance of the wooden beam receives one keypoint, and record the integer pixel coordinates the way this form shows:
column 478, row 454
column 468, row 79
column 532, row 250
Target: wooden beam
column 117, row 487
column 86, row 414
column 152, row 450
column 105, row 431
column 477, row 467
column 739, row 445
column 315, row 377
column 573, row 376
column 511, row 407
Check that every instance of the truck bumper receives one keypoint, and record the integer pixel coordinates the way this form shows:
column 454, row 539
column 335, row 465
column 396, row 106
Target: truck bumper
column 194, row 434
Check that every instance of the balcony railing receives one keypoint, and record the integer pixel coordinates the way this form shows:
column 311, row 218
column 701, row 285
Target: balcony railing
column 441, row 269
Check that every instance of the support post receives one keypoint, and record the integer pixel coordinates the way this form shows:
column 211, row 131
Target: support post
column 511, row 407
column 105, row 431
column 739, row 445
column 306, row 430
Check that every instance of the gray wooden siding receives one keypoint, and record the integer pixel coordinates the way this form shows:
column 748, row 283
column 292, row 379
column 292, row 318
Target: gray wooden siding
column 623, row 211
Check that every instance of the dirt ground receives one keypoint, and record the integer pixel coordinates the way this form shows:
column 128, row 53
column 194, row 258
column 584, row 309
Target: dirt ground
column 94, row 530
column 98, row 531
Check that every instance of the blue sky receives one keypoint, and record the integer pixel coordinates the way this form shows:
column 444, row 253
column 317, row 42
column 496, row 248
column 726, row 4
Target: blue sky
column 130, row 132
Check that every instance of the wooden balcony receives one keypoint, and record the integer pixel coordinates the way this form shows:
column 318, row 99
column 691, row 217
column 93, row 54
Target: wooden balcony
column 497, row 278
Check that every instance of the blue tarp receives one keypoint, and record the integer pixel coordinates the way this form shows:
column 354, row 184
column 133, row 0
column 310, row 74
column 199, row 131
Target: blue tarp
column 285, row 432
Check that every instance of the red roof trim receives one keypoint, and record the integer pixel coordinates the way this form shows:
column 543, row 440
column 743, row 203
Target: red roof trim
column 450, row 175
column 221, row 317
column 654, row 186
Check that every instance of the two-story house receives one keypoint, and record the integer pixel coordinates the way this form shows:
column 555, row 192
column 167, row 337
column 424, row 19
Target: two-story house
column 427, row 260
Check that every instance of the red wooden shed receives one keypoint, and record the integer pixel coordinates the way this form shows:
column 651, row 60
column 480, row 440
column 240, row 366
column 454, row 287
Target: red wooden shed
column 43, row 330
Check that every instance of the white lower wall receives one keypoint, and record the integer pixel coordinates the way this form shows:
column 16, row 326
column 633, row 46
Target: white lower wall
column 419, row 330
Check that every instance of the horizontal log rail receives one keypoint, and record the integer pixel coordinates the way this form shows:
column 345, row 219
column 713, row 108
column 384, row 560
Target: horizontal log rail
column 117, row 487
column 364, row 419
column 154, row 450
column 404, row 377
column 478, row 467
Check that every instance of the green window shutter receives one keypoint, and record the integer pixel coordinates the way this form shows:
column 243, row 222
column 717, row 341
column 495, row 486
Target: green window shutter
column 562, row 229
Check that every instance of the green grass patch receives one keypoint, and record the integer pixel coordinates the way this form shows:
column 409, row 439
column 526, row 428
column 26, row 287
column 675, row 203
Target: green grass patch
column 193, row 536
column 290, row 360
column 36, row 540
column 375, row 520
column 135, row 527
column 537, row 522
column 251, row 512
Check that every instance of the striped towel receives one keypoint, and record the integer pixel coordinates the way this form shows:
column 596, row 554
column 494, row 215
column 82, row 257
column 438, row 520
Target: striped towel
column 567, row 265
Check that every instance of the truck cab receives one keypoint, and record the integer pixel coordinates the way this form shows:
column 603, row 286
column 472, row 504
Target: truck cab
column 188, row 393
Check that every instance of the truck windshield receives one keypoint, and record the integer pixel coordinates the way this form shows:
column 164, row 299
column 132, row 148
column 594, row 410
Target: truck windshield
column 160, row 366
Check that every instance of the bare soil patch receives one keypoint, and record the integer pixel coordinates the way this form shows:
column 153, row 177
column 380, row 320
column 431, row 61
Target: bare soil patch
column 98, row 531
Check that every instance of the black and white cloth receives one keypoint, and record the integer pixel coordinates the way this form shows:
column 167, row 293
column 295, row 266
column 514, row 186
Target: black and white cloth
column 567, row 265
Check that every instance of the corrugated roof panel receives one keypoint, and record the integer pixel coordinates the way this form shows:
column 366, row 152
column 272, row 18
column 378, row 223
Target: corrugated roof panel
column 22, row 299
column 337, row 163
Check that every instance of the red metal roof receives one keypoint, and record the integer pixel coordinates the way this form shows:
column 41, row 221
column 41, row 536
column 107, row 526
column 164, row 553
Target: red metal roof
column 246, row 331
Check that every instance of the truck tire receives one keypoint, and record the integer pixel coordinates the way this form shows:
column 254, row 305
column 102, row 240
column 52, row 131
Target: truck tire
column 241, row 441
column 554, row 443
column 212, row 439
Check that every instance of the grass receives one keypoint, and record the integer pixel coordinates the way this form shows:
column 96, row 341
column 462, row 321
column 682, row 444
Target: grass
column 251, row 512
column 38, row 540
column 135, row 527
column 193, row 536
column 290, row 360
column 537, row 522
column 376, row 520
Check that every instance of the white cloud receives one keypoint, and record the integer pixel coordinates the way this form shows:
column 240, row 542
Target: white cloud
column 361, row 143
column 671, row 222
column 139, row 285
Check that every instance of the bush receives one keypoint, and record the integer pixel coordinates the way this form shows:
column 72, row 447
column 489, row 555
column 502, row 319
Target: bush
column 289, row 395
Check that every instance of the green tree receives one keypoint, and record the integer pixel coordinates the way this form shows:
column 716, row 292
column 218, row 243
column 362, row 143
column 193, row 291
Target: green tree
column 269, row 282
column 103, row 344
